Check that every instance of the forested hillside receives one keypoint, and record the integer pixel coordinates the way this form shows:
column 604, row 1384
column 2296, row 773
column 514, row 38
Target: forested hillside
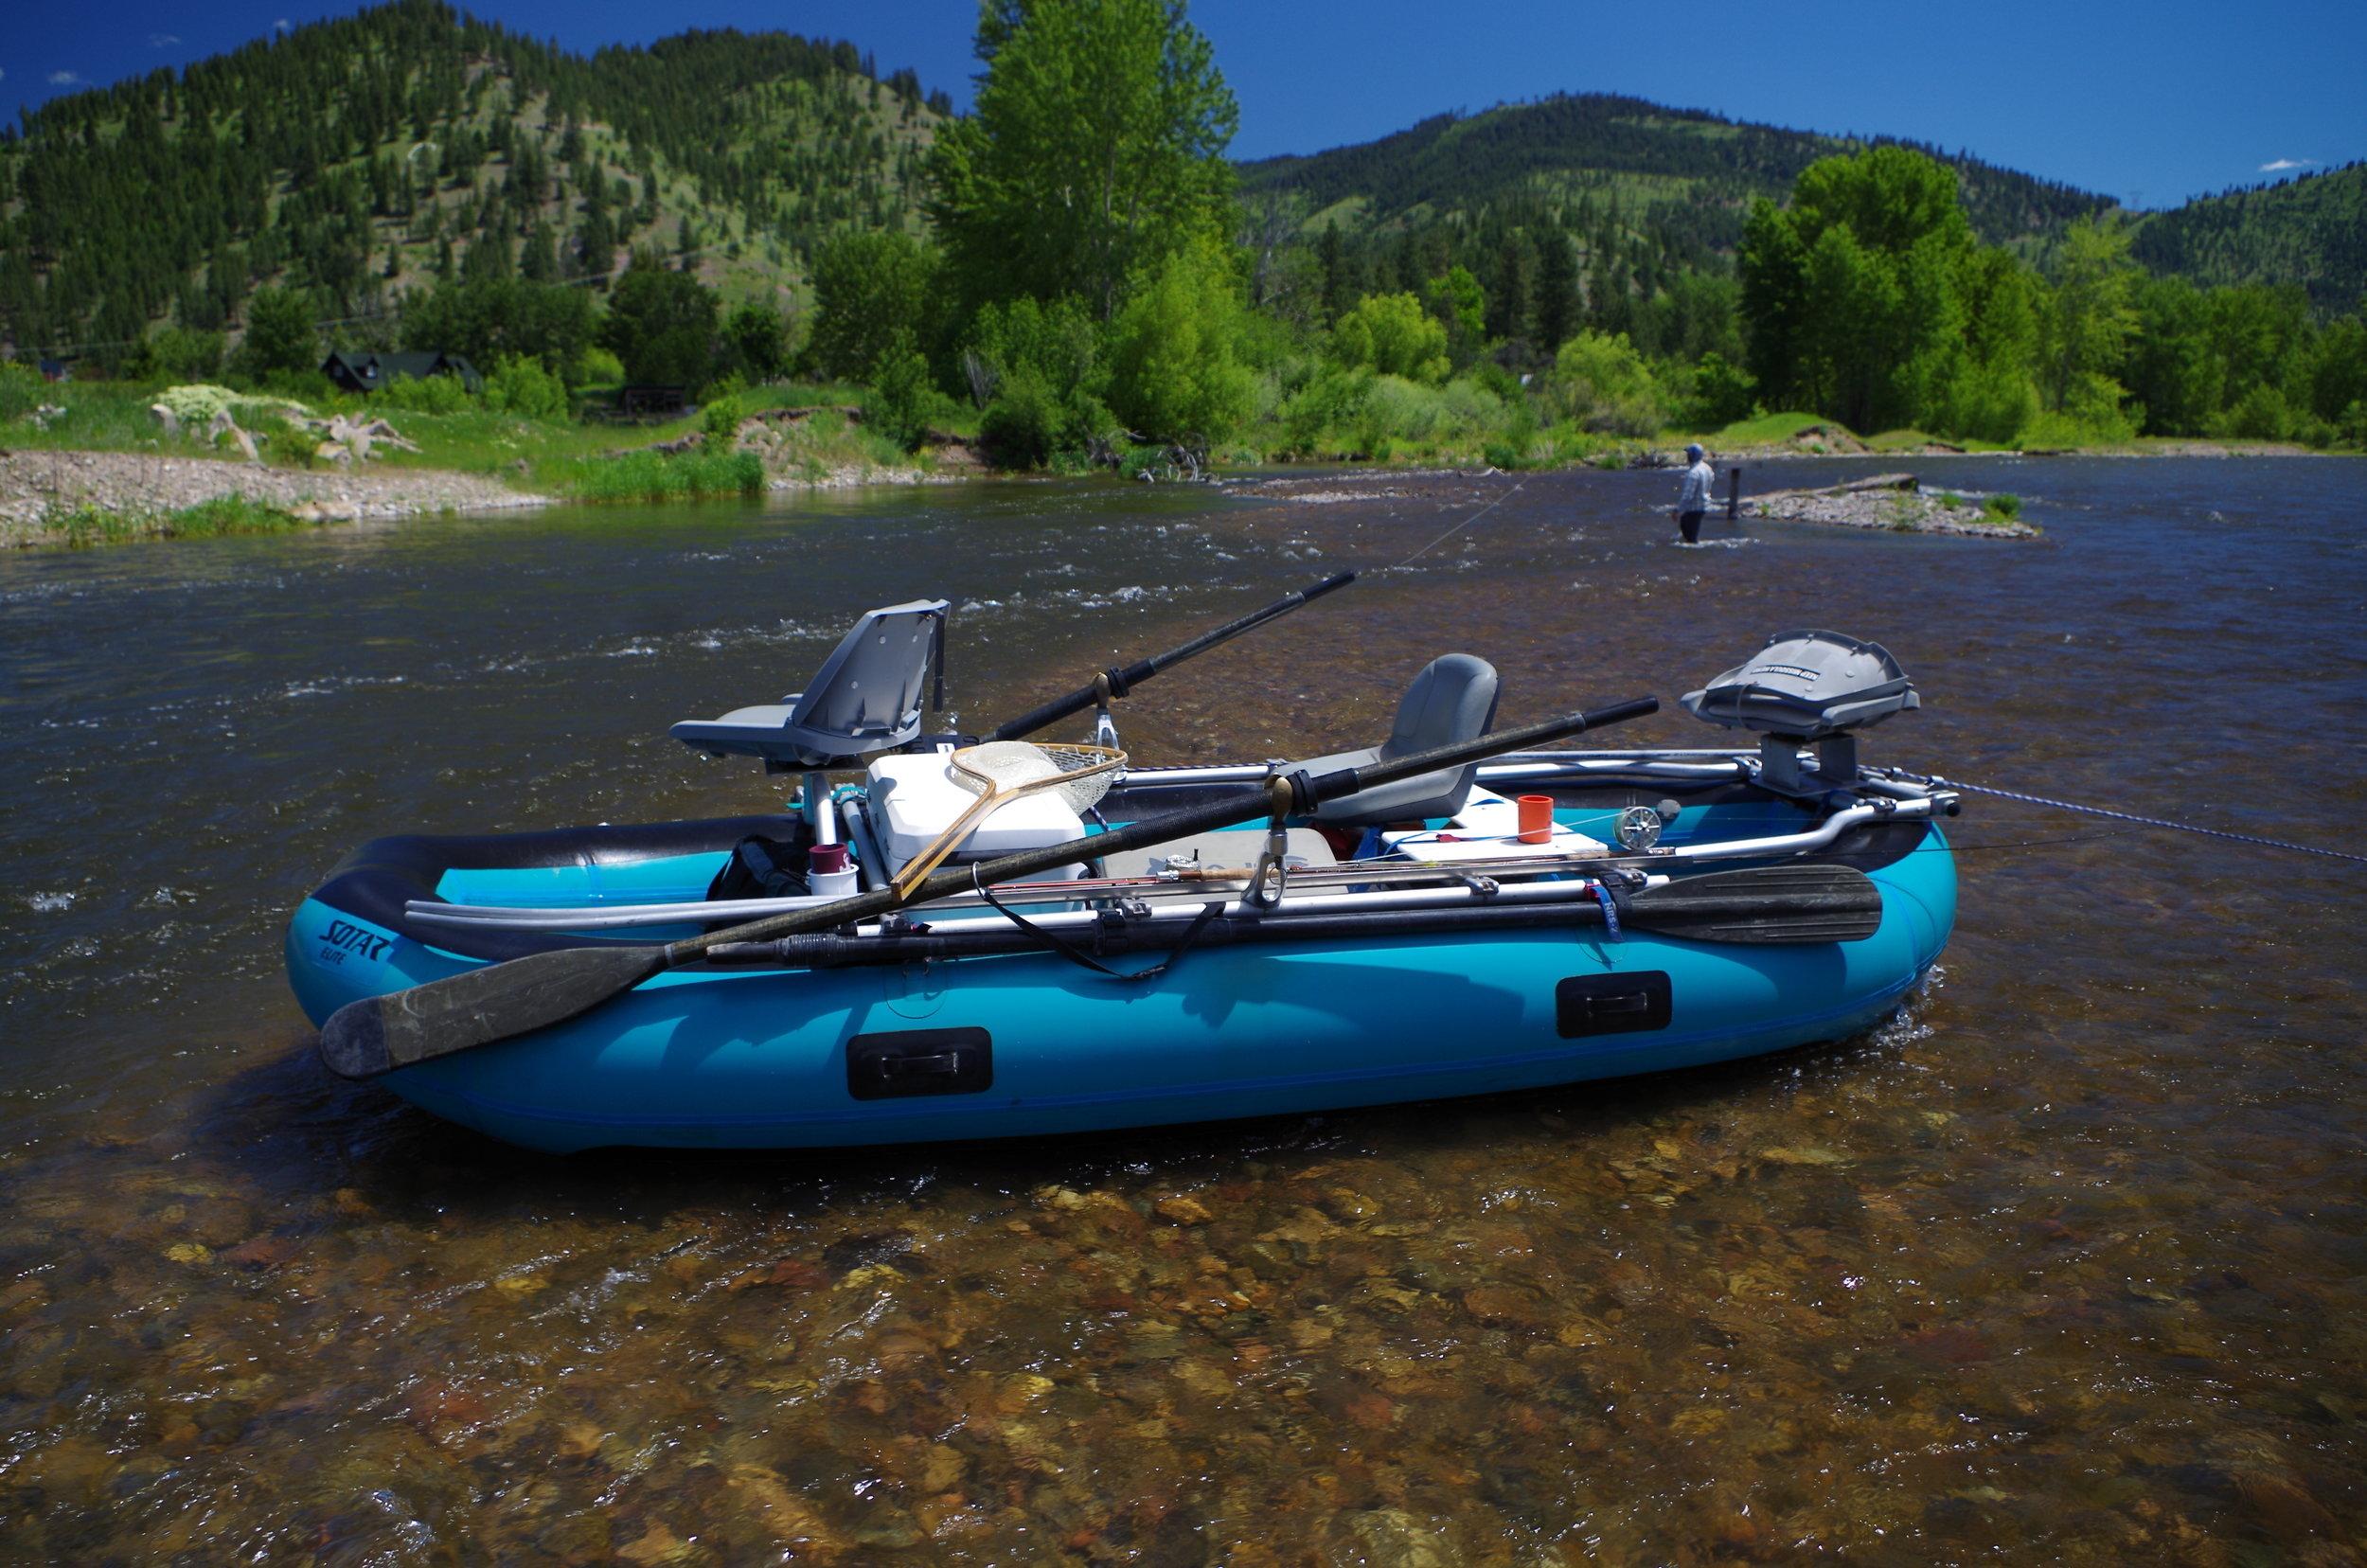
column 2311, row 231
column 1693, row 173
column 1646, row 192
column 1075, row 270
column 355, row 157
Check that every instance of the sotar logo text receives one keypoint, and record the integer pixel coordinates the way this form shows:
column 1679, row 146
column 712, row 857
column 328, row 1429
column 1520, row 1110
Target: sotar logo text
column 343, row 937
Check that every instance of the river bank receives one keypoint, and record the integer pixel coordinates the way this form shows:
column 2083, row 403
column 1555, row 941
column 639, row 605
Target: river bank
column 60, row 496
column 42, row 493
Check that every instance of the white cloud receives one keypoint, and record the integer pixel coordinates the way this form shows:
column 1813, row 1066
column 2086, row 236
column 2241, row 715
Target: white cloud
column 281, row 26
column 64, row 78
column 158, row 41
column 2281, row 165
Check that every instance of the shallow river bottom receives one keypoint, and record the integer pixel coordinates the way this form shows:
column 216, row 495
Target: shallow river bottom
column 2067, row 1262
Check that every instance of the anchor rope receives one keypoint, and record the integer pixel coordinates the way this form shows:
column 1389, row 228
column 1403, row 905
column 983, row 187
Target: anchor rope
column 2157, row 822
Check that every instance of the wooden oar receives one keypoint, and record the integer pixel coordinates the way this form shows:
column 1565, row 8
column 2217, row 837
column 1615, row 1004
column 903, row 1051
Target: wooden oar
column 498, row 1002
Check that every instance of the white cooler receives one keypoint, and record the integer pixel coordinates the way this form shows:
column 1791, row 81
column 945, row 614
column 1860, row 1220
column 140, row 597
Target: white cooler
column 913, row 799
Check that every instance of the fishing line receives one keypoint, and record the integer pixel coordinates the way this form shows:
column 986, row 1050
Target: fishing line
column 2157, row 822
column 1459, row 527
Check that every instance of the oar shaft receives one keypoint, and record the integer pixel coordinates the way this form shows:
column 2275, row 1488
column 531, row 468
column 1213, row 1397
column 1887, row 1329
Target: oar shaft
column 1120, row 680
column 1294, row 792
column 498, row 1002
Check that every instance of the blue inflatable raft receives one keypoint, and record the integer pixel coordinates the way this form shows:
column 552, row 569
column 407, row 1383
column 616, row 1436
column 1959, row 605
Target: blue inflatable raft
column 1682, row 907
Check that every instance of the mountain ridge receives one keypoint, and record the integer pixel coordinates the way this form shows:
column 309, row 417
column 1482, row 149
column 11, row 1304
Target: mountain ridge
column 371, row 154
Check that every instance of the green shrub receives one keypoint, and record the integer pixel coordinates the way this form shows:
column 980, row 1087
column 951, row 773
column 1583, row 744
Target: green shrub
column 441, row 394
column 902, row 393
column 656, row 476
column 521, row 385
column 2261, row 415
column 2003, row 505
column 2091, row 415
column 721, row 419
column 598, row 367
column 1394, row 335
column 299, row 387
column 1401, row 409
column 1021, row 425
column 1331, row 403
column 288, row 446
column 1175, row 352
column 21, row 389
column 1723, row 392
column 176, row 353
column 228, row 514
column 1137, row 461
column 1600, row 381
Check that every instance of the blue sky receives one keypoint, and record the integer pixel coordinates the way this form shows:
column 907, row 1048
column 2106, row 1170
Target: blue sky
column 2147, row 102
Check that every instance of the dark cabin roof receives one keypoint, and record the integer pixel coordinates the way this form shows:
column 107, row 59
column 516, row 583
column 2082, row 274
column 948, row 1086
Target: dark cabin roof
column 369, row 370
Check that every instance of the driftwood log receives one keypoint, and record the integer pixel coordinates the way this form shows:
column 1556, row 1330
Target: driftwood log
column 1855, row 487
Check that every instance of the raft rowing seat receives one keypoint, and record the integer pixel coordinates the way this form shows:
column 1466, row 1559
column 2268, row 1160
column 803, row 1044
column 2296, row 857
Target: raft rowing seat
column 864, row 700
column 1452, row 699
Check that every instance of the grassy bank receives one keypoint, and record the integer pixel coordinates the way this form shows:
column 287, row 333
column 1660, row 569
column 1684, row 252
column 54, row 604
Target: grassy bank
column 742, row 443
column 83, row 527
column 657, row 476
column 580, row 459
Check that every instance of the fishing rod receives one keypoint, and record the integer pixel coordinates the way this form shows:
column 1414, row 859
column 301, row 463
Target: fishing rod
column 1118, row 680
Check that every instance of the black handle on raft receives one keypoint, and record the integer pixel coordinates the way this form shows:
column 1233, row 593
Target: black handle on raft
column 1118, row 679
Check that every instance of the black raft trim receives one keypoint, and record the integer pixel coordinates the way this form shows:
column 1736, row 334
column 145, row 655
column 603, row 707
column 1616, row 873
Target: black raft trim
column 377, row 880
column 1611, row 1004
column 905, row 1063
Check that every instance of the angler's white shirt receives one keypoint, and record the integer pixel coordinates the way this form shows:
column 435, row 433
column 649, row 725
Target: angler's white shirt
column 1699, row 479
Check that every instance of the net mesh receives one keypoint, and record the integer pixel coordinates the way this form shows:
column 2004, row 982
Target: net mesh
column 1081, row 775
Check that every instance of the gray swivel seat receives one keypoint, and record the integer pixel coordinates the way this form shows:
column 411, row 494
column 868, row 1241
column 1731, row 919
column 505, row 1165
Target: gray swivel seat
column 1452, row 699
column 866, row 699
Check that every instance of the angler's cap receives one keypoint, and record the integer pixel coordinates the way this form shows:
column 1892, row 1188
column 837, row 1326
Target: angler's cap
column 1693, row 451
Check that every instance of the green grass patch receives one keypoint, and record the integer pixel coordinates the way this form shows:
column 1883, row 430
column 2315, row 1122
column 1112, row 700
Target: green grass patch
column 2004, row 505
column 657, row 476
column 1770, row 427
column 85, row 526
column 1898, row 441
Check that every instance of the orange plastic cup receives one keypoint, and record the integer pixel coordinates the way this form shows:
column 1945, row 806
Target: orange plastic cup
column 1537, row 819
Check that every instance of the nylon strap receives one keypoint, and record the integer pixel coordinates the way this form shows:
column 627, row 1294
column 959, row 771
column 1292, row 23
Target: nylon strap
column 1078, row 956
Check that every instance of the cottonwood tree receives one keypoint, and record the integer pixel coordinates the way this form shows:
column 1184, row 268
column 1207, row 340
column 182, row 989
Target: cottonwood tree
column 1096, row 152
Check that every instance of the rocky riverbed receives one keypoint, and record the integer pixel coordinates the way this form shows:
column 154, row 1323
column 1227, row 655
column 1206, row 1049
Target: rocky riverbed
column 36, row 486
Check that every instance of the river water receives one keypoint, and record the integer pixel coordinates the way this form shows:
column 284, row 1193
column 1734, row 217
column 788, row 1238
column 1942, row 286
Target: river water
column 2068, row 1262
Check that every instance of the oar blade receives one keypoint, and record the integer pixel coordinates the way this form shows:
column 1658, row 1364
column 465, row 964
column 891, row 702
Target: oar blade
column 1768, row 904
column 379, row 1034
